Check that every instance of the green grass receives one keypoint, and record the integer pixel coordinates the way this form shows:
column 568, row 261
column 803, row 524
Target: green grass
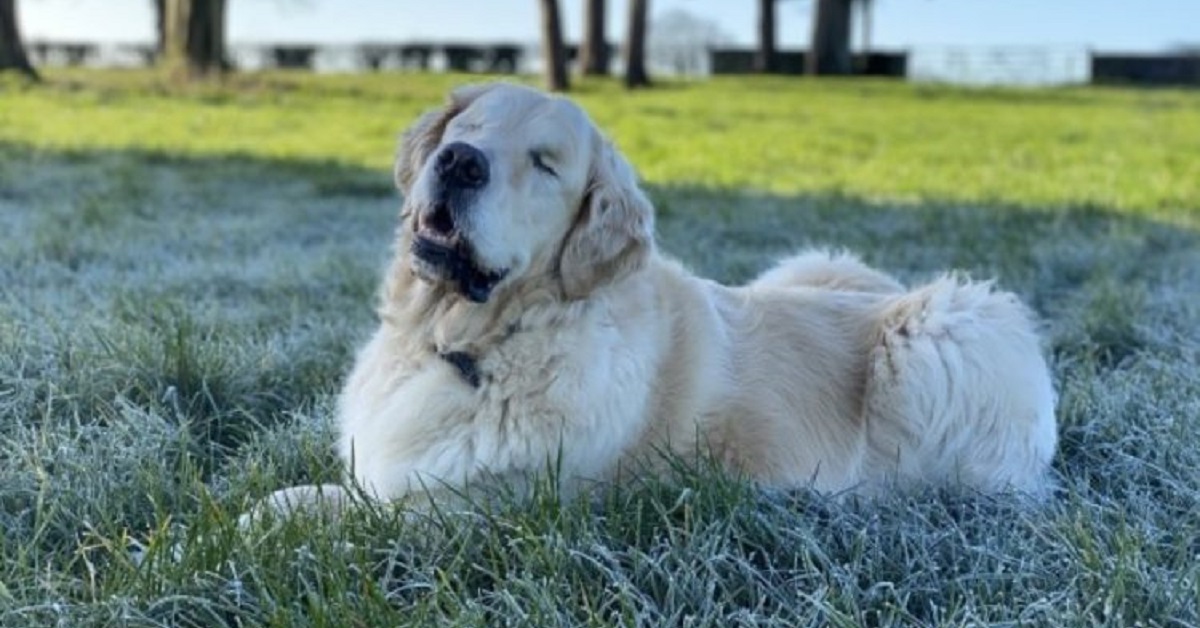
column 1078, row 147
column 185, row 273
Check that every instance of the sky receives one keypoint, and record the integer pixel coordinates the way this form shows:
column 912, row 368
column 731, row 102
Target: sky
column 1110, row 25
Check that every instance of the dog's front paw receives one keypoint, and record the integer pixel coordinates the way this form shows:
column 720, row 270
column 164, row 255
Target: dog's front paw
column 311, row 499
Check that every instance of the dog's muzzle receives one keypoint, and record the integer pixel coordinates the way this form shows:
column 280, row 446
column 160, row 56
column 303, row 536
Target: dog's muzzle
column 440, row 246
column 452, row 259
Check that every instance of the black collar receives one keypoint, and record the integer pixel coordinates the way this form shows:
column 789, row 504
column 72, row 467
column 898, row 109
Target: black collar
column 466, row 364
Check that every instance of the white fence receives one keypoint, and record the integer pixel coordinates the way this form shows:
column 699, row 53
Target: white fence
column 1035, row 65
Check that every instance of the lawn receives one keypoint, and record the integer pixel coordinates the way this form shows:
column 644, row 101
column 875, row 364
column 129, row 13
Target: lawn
column 185, row 273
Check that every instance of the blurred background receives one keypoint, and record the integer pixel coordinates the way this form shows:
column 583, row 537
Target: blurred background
column 1009, row 42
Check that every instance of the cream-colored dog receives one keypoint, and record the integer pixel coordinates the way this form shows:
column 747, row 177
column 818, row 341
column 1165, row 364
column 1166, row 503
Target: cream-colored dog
column 528, row 319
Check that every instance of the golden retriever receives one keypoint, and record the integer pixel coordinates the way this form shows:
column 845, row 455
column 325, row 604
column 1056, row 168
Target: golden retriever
column 528, row 319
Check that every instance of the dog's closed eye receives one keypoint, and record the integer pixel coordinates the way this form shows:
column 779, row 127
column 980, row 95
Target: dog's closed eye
column 539, row 158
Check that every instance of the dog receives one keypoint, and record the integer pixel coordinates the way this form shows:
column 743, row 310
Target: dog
column 528, row 318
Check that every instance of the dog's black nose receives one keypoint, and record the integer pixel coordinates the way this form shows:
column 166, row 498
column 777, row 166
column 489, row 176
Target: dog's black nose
column 462, row 165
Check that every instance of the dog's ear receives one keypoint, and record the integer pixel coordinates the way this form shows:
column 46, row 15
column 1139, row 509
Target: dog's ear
column 613, row 234
column 419, row 141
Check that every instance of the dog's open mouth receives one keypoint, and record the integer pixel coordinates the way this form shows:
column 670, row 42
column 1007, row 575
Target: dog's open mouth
column 452, row 260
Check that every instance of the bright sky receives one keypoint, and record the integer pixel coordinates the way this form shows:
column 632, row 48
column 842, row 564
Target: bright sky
column 1116, row 25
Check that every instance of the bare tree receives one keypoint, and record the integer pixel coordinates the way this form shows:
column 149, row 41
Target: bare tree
column 194, row 36
column 12, row 50
column 830, row 50
column 680, row 41
column 766, row 60
column 554, row 54
column 594, row 52
column 635, row 45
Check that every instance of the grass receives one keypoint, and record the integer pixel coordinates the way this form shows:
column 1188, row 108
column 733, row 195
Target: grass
column 185, row 273
column 1079, row 147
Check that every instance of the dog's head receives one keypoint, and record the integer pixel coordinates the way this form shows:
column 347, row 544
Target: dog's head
column 506, row 184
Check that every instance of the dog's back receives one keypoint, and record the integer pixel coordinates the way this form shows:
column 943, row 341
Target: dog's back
column 945, row 384
column 958, row 391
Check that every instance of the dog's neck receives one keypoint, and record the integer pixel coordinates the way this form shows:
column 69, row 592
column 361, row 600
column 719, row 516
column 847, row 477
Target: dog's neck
column 433, row 319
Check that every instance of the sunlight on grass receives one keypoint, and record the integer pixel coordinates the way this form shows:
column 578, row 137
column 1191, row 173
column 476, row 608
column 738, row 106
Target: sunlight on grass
column 875, row 140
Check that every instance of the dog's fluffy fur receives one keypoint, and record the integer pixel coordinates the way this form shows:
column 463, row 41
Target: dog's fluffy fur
column 596, row 353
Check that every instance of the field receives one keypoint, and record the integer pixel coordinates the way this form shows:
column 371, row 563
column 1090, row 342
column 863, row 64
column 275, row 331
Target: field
column 185, row 272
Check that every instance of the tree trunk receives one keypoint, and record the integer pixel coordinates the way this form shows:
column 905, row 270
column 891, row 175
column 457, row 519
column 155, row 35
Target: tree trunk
column 160, row 25
column 635, row 45
column 830, row 50
column 766, row 60
column 12, row 50
column 194, row 36
column 866, row 7
column 554, row 54
column 595, row 45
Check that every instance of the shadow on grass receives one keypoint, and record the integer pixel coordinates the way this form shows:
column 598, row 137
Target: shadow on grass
column 230, row 291
column 172, row 330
